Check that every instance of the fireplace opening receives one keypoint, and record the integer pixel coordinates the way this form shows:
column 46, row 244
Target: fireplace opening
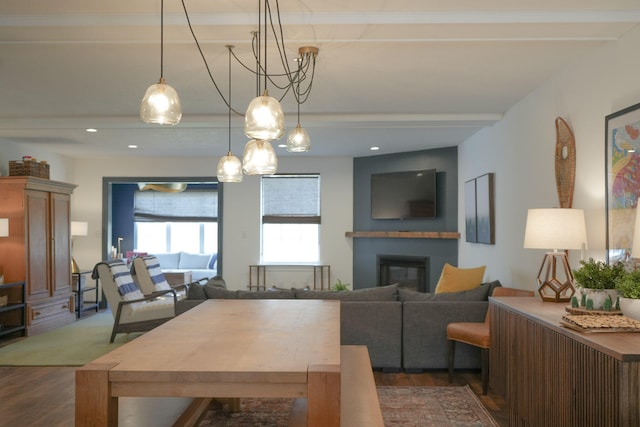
column 411, row 272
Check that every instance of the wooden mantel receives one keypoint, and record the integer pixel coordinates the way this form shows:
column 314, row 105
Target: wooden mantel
column 405, row 234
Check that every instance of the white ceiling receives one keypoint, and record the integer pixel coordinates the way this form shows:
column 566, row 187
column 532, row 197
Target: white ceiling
column 401, row 74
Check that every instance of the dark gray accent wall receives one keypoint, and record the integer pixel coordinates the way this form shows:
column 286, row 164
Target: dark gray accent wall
column 439, row 251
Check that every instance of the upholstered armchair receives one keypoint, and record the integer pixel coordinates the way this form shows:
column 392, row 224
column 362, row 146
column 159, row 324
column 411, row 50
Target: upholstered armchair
column 132, row 311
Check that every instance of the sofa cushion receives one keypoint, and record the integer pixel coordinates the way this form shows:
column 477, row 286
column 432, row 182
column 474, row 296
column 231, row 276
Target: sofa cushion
column 284, row 294
column 481, row 293
column 198, row 261
column 454, row 279
column 378, row 293
column 218, row 292
column 168, row 261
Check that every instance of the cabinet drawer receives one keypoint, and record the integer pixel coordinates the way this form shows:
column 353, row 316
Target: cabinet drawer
column 41, row 311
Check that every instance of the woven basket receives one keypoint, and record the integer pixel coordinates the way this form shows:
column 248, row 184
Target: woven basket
column 28, row 168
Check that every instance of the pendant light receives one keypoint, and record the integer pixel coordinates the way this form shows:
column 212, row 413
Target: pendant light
column 259, row 158
column 298, row 140
column 161, row 104
column 229, row 166
column 264, row 118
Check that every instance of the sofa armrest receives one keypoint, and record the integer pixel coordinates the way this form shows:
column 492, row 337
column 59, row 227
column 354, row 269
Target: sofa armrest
column 424, row 333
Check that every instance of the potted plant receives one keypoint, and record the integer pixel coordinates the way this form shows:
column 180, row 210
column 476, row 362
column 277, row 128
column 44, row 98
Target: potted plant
column 597, row 282
column 340, row 286
column 629, row 287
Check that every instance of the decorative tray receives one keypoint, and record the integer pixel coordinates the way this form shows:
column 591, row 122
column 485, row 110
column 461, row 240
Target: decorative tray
column 582, row 310
column 588, row 323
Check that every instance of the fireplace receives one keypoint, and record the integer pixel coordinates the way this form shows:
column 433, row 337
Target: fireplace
column 411, row 272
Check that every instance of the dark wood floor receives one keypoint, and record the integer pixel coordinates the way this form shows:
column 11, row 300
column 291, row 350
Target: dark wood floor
column 44, row 396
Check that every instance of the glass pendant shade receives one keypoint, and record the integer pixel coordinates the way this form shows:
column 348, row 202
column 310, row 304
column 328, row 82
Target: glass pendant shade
column 229, row 169
column 161, row 105
column 259, row 158
column 264, row 119
column 298, row 140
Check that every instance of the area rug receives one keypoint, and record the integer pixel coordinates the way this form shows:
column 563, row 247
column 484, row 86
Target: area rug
column 75, row 344
column 401, row 406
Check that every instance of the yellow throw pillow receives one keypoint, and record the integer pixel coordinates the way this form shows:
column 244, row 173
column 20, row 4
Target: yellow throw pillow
column 454, row 279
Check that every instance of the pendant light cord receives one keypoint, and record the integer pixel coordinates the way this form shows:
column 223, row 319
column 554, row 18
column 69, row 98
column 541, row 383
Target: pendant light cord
column 161, row 38
column 229, row 47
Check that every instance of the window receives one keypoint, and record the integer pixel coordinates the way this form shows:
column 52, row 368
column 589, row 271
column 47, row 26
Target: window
column 291, row 219
column 173, row 222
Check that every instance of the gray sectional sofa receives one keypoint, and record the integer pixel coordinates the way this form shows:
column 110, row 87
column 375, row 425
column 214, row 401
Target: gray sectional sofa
column 402, row 329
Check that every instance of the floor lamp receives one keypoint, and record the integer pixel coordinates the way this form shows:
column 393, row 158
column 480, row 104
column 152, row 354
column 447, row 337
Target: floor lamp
column 558, row 229
column 78, row 228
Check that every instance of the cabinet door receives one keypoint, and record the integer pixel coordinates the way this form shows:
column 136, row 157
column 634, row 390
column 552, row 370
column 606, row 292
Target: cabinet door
column 37, row 248
column 60, row 244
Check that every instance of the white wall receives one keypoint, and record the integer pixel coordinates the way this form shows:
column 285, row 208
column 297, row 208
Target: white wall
column 60, row 167
column 520, row 150
column 241, row 216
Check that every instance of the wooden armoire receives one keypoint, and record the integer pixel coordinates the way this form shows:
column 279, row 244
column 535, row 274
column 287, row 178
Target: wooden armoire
column 38, row 249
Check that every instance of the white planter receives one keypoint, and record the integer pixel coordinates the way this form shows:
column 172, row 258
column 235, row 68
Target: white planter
column 630, row 307
column 598, row 296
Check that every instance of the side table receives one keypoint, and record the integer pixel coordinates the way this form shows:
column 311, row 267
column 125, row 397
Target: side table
column 79, row 287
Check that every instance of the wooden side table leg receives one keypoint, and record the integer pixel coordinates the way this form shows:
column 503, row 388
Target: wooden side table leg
column 323, row 396
column 94, row 404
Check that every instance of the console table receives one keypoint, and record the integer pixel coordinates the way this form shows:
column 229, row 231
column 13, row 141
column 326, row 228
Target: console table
column 321, row 275
column 550, row 375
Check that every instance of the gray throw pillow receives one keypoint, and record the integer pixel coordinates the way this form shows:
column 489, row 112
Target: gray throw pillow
column 217, row 281
column 196, row 291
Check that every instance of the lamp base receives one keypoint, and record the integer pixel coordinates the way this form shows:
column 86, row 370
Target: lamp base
column 551, row 287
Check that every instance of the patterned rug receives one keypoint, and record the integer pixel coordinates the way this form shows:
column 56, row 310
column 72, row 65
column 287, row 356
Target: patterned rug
column 401, row 406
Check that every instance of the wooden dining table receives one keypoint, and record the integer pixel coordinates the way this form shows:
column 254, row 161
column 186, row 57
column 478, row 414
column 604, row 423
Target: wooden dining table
column 224, row 349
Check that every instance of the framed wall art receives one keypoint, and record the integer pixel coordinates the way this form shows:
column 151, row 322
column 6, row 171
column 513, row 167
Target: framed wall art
column 622, row 169
column 479, row 210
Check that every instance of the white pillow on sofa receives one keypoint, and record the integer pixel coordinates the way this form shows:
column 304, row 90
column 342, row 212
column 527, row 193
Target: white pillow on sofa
column 168, row 261
column 197, row 261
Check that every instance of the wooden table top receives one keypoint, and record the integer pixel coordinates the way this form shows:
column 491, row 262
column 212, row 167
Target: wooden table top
column 624, row 346
column 234, row 341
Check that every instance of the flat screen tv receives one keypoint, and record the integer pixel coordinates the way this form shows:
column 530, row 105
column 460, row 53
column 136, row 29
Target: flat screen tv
column 403, row 195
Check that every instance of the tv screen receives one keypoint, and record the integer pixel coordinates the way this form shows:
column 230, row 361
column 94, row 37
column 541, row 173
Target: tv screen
column 403, row 195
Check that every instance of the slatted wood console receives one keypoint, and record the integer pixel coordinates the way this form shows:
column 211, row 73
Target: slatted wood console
column 550, row 375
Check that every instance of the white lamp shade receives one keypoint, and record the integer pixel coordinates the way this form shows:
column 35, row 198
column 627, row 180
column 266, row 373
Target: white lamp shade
column 229, row 169
column 161, row 105
column 557, row 228
column 298, row 140
column 4, row 227
column 264, row 119
column 79, row 228
column 259, row 158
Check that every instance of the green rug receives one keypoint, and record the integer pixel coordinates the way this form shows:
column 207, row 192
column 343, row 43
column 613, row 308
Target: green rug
column 72, row 345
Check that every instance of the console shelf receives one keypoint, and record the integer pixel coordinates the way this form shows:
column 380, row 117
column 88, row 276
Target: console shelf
column 405, row 234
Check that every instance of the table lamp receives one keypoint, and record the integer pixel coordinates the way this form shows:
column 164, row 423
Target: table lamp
column 78, row 228
column 556, row 229
column 4, row 232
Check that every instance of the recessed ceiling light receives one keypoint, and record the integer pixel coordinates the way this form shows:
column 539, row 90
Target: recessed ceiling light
column 374, row 148
column 132, row 146
column 92, row 130
column 282, row 145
